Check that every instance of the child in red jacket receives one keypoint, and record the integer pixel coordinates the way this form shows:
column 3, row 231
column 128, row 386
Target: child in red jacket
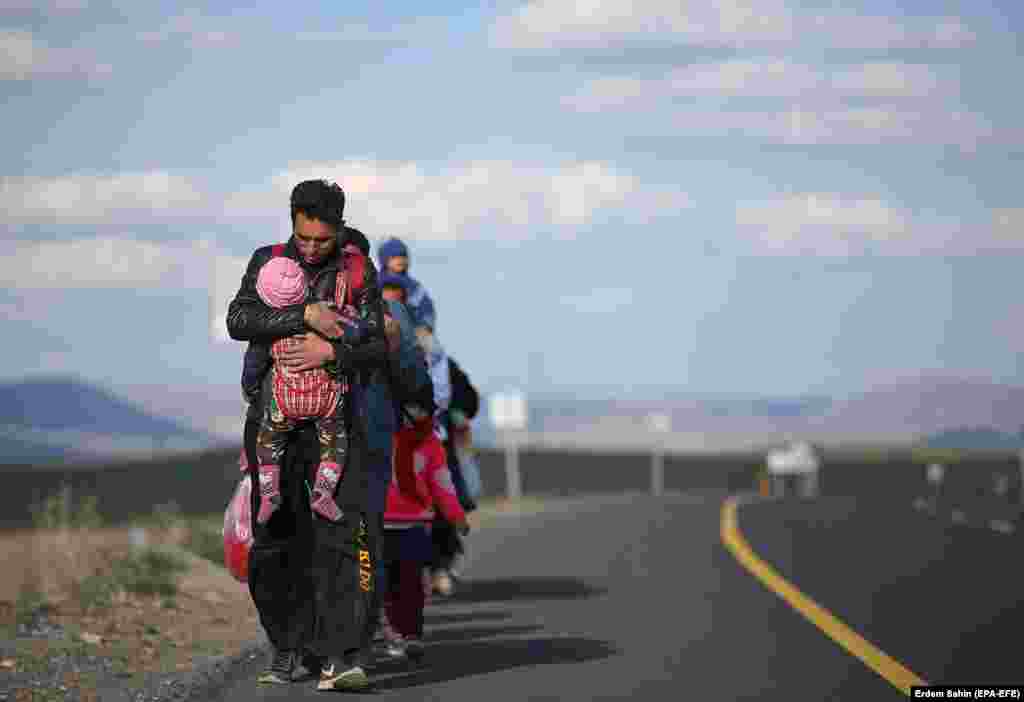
column 420, row 485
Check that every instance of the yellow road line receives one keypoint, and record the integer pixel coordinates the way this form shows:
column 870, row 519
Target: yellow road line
column 869, row 654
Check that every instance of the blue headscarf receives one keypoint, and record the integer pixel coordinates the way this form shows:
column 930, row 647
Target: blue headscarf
column 390, row 249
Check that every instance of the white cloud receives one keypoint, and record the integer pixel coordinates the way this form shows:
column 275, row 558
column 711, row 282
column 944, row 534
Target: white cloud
column 503, row 199
column 1008, row 224
column 39, row 272
column 99, row 199
column 88, row 263
column 820, row 224
column 419, row 29
column 24, row 57
column 118, row 262
column 599, row 301
column 497, row 199
column 892, row 80
column 830, row 224
column 544, row 23
column 225, row 277
column 810, row 125
column 48, row 7
column 772, row 78
column 857, row 104
column 348, row 34
column 1008, row 328
column 192, row 28
column 603, row 24
column 19, row 310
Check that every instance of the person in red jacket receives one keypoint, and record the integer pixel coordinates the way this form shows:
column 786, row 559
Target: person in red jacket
column 420, row 487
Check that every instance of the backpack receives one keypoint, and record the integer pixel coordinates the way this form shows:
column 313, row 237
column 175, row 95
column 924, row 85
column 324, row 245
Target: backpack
column 465, row 473
column 465, row 397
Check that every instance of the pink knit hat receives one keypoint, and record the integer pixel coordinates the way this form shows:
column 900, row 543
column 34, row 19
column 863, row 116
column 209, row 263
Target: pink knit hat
column 281, row 282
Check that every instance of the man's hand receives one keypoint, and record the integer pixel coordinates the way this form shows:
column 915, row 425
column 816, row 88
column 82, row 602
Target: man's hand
column 425, row 339
column 313, row 352
column 323, row 317
column 462, row 528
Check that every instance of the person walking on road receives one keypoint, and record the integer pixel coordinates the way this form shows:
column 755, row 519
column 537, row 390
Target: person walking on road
column 448, row 543
column 396, row 287
column 393, row 256
column 421, row 487
column 311, row 578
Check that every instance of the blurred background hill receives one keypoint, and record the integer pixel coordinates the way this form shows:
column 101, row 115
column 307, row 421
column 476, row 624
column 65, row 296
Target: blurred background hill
column 69, row 419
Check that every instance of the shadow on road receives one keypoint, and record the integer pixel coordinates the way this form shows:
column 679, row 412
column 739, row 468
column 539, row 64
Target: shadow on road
column 434, row 618
column 508, row 589
column 479, row 632
column 451, row 661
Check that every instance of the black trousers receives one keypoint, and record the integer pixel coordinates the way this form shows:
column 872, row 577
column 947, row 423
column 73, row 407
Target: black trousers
column 312, row 580
column 345, row 557
column 447, row 544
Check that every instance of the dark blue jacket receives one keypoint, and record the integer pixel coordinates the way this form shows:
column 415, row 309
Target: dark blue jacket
column 383, row 401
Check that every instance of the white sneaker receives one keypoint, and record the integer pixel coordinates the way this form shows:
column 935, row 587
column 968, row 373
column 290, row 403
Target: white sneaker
column 395, row 650
column 394, row 643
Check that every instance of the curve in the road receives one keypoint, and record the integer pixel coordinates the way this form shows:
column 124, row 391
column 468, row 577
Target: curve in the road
column 885, row 665
column 610, row 598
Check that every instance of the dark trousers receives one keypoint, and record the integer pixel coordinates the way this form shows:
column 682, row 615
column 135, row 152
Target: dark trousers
column 405, row 598
column 312, row 580
column 379, row 463
column 406, row 552
column 280, row 561
column 345, row 556
column 447, row 544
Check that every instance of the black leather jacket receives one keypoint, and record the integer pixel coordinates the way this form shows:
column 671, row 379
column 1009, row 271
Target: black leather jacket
column 250, row 319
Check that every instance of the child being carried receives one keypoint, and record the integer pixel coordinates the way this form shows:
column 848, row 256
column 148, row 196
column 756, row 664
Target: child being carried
column 295, row 398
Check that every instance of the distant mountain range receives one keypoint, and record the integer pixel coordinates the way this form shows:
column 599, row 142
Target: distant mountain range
column 71, row 420
column 984, row 438
column 66, row 419
column 927, row 410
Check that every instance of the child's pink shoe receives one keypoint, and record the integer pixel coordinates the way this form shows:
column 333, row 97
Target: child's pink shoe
column 270, row 492
column 322, row 501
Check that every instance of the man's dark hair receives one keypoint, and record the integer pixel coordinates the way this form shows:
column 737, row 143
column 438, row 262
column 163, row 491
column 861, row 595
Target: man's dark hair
column 318, row 199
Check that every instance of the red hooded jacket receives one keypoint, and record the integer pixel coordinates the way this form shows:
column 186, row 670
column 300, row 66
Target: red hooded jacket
column 420, row 480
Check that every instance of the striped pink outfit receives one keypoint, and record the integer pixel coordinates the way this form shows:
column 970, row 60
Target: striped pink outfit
column 297, row 396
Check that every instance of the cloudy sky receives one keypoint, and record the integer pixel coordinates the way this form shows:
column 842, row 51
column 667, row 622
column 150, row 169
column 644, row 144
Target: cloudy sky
column 756, row 196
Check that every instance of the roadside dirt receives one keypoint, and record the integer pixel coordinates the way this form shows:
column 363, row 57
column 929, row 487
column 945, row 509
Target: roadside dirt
column 53, row 648
column 131, row 647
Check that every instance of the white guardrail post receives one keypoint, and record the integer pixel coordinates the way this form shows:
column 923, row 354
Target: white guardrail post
column 660, row 425
column 513, row 478
column 508, row 415
column 658, row 472
column 1020, row 461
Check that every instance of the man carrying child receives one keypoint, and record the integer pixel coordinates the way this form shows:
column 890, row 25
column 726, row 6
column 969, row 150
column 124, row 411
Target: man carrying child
column 310, row 573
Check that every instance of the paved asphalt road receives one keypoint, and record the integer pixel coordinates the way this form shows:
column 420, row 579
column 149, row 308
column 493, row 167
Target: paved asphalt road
column 634, row 597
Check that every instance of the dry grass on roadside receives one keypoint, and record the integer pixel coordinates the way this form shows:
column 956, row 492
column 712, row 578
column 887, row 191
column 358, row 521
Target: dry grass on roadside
column 112, row 605
column 80, row 600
